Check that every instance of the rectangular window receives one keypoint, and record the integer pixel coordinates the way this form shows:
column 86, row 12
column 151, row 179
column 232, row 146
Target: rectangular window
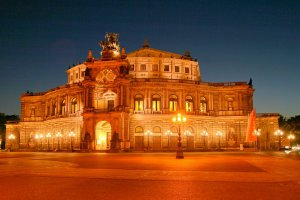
column 166, row 68
column 202, row 107
column 155, row 67
column 143, row 67
column 82, row 74
column 173, row 105
column 187, row 70
column 139, row 105
column 156, row 105
column 110, row 105
column 76, row 75
column 177, row 69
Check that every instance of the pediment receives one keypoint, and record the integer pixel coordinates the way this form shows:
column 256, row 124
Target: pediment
column 151, row 52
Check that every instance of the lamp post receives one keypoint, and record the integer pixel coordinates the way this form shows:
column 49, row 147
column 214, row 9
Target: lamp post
column 187, row 133
column 10, row 138
column 291, row 137
column 168, row 133
column 48, row 136
column 219, row 134
column 71, row 135
column 257, row 133
column 204, row 135
column 41, row 139
column 58, row 136
column 279, row 133
column 179, row 119
column 37, row 137
column 148, row 133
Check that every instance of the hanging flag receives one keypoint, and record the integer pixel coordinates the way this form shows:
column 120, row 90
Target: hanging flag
column 250, row 136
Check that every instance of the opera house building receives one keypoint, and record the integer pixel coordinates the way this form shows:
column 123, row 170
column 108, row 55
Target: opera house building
column 126, row 102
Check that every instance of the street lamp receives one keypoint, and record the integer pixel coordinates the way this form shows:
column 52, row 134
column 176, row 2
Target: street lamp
column 279, row 133
column 257, row 133
column 41, row 138
column 168, row 133
column 71, row 135
column 179, row 119
column 148, row 133
column 48, row 136
column 187, row 133
column 291, row 137
column 10, row 138
column 219, row 134
column 204, row 135
column 58, row 136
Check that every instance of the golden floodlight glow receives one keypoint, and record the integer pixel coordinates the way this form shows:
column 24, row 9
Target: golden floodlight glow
column 279, row 132
column 291, row 137
column 257, row 132
column 219, row 133
column 148, row 132
column 11, row 137
column 72, row 134
column 58, row 134
column 204, row 133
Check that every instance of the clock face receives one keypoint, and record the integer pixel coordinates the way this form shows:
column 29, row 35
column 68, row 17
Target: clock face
column 106, row 75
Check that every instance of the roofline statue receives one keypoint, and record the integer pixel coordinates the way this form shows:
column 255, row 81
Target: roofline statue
column 110, row 47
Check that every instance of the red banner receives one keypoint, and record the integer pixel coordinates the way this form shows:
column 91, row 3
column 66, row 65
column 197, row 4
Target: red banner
column 250, row 136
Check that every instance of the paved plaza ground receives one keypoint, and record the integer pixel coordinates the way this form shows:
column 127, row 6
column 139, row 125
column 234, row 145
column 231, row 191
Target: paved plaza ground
column 201, row 175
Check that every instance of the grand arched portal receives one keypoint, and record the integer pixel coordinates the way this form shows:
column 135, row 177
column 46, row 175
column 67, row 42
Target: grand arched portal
column 103, row 135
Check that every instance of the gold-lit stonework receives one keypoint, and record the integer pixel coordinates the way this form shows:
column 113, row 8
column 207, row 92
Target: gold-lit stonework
column 109, row 103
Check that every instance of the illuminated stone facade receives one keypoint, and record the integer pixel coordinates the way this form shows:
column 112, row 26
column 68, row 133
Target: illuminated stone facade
column 126, row 102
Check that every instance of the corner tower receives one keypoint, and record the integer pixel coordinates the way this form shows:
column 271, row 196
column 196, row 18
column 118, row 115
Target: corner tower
column 105, row 95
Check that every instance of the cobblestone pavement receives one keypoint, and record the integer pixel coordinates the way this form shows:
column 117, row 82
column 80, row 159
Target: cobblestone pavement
column 205, row 175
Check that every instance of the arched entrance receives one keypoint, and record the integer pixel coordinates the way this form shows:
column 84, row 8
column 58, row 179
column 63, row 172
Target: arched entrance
column 103, row 135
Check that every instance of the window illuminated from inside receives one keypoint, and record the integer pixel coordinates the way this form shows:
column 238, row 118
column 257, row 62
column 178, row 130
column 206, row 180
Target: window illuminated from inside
column 156, row 103
column 74, row 105
column 203, row 105
column 138, row 103
column 63, row 107
column 173, row 103
column 188, row 104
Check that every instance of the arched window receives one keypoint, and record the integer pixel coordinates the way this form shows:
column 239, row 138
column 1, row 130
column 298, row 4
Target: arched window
column 138, row 103
column 230, row 104
column 174, row 129
column 188, row 104
column 203, row 105
column 156, row 103
column 139, row 129
column 156, row 129
column 63, row 107
column 53, row 108
column 74, row 105
column 173, row 101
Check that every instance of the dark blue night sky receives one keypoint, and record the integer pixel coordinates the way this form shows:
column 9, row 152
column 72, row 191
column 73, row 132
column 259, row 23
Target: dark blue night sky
column 233, row 41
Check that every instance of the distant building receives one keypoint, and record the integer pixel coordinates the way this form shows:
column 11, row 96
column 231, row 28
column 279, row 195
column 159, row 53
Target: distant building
column 126, row 102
